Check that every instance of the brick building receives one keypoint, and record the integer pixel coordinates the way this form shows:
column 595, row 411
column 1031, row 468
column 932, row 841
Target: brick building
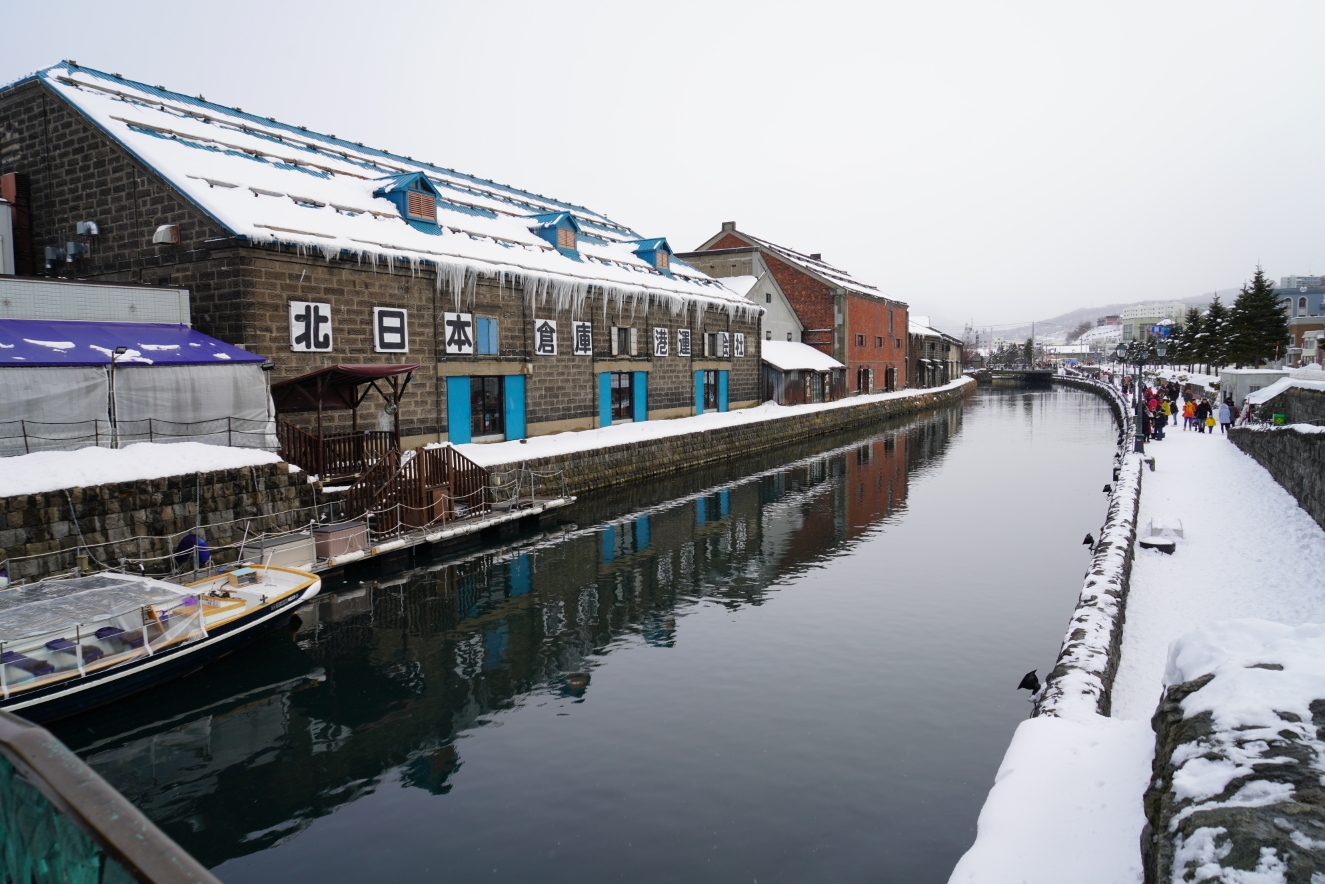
column 933, row 357
column 817, row 304
column 527, row 314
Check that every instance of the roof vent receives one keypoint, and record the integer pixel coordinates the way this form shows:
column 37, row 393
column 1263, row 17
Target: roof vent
column 166, row 234
column 816, row 256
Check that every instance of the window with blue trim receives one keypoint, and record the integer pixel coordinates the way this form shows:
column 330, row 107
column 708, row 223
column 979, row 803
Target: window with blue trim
column 485, row 333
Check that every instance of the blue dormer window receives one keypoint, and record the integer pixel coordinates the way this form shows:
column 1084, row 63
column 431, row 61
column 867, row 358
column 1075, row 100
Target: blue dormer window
column 560, row 230
column 656, row 252
column 415, row 197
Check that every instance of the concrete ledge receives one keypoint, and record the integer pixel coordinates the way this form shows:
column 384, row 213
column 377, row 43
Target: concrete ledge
column 482, row 368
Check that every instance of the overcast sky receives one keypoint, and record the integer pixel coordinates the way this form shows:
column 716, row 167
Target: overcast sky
column 994, row 162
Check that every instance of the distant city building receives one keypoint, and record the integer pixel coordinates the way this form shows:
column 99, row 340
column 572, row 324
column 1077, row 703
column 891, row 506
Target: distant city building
column 1111, row 319
column 1303, row 298
column 1139, row 323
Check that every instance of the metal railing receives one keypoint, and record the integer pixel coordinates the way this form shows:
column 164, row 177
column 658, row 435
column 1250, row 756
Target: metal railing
column 63, row 822
column 25, row 436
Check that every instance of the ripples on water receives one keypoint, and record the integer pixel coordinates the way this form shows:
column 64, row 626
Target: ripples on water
column 798, row 667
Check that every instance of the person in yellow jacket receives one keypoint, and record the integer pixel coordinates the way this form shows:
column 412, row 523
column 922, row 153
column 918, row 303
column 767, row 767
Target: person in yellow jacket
column 1188, row 414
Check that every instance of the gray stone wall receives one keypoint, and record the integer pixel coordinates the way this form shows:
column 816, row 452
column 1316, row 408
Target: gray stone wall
column 1298, row 406
column 604, row 467
column 1295, row 459
column 41, row 534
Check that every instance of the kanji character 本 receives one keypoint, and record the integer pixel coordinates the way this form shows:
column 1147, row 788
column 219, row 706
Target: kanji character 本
column 545, row 337
column 458, row 332
column 582, row 332
column 660, row 336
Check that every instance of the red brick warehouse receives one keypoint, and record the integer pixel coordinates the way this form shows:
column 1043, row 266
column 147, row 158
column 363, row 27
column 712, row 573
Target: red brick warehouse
column 816, row 304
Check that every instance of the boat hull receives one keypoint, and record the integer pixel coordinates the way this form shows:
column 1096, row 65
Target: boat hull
column 67, row 698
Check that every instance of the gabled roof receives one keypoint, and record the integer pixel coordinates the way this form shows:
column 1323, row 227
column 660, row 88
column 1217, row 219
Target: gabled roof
column 817, row 267
column 792, row 355
column 657, row 244
column 406, row 181
column 269, row 182
column 545, row 220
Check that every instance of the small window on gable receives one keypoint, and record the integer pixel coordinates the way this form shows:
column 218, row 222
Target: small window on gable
column 421, row 206
column 662, row 260
column 565, row 239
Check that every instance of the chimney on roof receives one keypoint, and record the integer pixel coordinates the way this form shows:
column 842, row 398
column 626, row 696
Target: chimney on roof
column 728, row 226
column 816, row 256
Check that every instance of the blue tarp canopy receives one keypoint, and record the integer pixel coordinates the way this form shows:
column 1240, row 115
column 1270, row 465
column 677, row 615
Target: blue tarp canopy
column 40, row 342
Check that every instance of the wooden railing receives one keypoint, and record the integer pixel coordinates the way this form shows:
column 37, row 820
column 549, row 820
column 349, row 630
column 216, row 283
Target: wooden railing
column 334, row 457
column 419, row 489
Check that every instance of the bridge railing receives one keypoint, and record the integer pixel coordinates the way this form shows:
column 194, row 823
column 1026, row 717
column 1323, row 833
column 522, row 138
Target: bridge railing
column 60, row 817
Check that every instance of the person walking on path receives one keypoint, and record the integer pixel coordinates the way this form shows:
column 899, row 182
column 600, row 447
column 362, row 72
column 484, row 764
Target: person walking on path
column 1188, row 414
column 1225, row 416
column 1161, row 421
column 1202, row 414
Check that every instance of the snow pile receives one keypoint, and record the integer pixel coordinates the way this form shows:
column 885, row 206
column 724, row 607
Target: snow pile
column 1238, row 781
column 54, row 470
column 1065, row 806
column 574, row 442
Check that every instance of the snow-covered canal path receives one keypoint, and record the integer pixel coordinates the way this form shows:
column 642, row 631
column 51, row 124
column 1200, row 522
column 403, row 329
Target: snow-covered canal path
column 1067, row 800
column 1249, row 551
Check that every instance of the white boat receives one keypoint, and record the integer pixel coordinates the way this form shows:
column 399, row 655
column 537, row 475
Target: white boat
column 68, row 644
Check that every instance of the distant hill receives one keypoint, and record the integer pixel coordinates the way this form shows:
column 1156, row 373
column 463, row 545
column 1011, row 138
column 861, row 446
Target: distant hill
column 1056, row 328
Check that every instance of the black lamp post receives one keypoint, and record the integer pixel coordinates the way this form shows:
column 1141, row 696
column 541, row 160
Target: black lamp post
column 1135, row 353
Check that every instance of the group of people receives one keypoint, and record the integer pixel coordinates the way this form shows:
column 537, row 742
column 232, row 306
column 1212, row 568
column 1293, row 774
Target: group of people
column 1161, row 408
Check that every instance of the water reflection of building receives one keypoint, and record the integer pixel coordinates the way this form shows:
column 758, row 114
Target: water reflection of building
column 411, row 663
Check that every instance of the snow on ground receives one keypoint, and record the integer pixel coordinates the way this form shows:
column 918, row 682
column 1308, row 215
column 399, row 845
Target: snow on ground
column 1066, row 806
column 1249, row 551
column 53, row 470
column 490, row 454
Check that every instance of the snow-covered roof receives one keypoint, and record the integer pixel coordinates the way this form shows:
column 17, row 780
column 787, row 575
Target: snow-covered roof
column 32, row 342
column 919, row 325
column 741, row 285
column 1069, row 349
column 270, row 182
column 812, row 265
column 792, row 356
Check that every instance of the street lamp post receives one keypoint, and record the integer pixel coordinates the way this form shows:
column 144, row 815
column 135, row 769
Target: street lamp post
column 1134, row 354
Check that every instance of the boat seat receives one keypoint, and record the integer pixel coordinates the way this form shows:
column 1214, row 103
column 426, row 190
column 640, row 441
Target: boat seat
column 90, row 652
column 109, row 632
column 27, row 664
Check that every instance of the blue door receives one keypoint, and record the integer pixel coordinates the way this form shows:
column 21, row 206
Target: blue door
column 699, row 392
column 513, row 388
column 457, row 410
column 605, row 399
column 722, row 391
column 641, row 394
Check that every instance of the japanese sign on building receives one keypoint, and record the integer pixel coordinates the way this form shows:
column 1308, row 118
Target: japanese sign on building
column 390, row 330
column 310, row 327
column 660, row 338
column 683, row 342
column 739, row 347
column 581, row 338
column 458, row 332
column 545, row 337
column 725, row 344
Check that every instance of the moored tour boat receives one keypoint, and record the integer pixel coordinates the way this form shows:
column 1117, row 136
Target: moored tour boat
column 70, row 644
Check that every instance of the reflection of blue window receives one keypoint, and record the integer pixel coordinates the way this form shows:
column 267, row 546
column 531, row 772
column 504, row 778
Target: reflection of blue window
column 609, row 544
column 521, row 582
column 486, row 333
column 494, row 647
column 724, row 503
column 699, row 511
column 642, row 532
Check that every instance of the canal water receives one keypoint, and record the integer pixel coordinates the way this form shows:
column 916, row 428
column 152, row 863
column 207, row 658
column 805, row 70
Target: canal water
column 799, row 667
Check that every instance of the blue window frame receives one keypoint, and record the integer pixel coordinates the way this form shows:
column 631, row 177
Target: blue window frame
column 486, row 341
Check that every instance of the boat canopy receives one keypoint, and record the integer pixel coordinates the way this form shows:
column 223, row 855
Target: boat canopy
column 53, row 606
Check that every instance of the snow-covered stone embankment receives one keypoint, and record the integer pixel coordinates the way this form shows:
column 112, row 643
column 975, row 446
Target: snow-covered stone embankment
column 1237, row 794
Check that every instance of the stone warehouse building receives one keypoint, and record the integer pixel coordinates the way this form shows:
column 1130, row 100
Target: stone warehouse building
column 526, row 314
column 810, row 301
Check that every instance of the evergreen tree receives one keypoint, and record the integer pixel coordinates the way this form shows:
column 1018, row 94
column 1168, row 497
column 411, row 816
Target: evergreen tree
column 1189, row 347
column 1257, row 324
column 1214, row 334
column 1028, row 352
